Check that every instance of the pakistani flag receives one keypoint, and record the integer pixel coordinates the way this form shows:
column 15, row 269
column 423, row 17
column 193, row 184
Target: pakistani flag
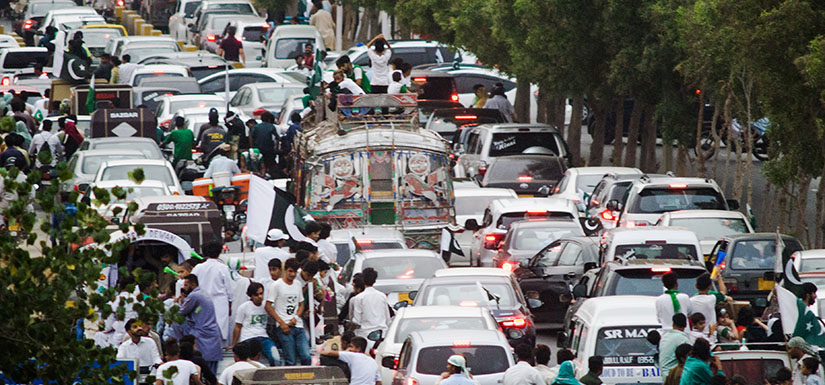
column 798, row 320
column 288, row 217
column 90, row 98
column 449, row 245
column 314, row 81
column 75, row 69
column 784, row 269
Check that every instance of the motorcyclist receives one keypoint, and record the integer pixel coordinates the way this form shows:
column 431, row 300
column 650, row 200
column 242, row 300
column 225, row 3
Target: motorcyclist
column 221, row 163
column 211, row 134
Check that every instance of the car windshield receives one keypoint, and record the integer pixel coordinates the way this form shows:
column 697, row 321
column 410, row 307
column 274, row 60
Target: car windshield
column 711, row 229
column 181, row 104
column 24, row 59
column 99, row 37
column 514, row 143
column 153, row 172
column 481, row 360
column 754, row 255
column 92, row 163
column 811, row 265
column 625, row 346
column 648, row 281
column 535, row 238
column 138, row 53
column 524, row 170
column 277, row 95
column 404, row 268
column 660, row 200
column 475, row 205
column 409, row 325
column 41, row 8
column 139, row 77
column 289, row 48
column 468, row 294
column 190, row 7
column 135, row 192
column 219, row 22
column 656, row 250
column 508, row 219
column 149, row 149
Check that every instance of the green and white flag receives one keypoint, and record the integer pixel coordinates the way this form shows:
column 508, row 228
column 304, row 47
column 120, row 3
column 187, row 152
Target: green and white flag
column 90, row 99
column 797, row 319
column 314, row 81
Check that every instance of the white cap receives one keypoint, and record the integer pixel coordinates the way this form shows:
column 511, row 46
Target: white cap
column 276, row 235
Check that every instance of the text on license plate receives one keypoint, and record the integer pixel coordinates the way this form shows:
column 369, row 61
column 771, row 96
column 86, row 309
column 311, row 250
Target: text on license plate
column 526, row 195
column 765, row 285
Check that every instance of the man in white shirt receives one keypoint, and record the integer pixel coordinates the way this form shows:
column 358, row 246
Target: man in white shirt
column 522, row 373
column 250, row 323
column 543, row 361
column 242, row 353
column 285, row 304
column 363, row 368
column 220, row 163
column 345, row 83
column 186, row 371
column 369, row 309
column 273, row 248
column 38, row 142
column 378, row 49
column 327, row 251
column 216, row 283
column 671, row 302
column 705, row 300
column 126, row 69
column 139, row 347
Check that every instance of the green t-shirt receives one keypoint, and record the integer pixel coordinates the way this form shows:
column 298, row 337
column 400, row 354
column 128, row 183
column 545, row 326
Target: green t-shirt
column 365, row 80
column 183, row 139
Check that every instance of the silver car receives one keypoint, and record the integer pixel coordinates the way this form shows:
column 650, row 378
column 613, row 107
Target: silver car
column 85, row 164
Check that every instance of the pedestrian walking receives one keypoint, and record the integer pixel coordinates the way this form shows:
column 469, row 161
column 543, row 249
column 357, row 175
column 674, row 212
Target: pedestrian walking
column 216, row 284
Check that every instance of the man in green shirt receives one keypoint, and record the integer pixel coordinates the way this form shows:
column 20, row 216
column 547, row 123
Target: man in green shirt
column 183, row 139
column 596, row 365
column 354, row 72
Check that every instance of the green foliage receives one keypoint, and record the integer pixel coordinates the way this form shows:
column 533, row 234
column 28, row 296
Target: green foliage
column 7, row 124
column 137, row 175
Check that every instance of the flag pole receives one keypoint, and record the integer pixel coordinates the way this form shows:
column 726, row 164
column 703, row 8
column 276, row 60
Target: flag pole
column 311, row 295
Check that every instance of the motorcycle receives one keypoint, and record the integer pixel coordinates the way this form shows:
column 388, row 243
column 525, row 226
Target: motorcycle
column 760, row 144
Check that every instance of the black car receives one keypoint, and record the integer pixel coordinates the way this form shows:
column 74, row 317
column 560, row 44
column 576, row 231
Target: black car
column 433, row 85
column 450, row 122
column 527, row 175
column 427, row 107
column 549, row 275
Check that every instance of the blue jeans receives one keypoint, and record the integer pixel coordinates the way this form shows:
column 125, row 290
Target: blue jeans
column 270, row 350
column 294, row 344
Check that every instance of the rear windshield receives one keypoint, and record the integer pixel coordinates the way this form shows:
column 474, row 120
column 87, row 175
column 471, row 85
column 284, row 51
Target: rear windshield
column 289, row 48
column 759, row 254
column 480, row 359
column 138, row 53
column 140, row 77
column 809, row 265
column 151, row 99
column 41, row 8
column 404, row 268
column 277, row 95
column 409, row 325
column 656, row 251
column 92, row 163
column 755, row 370
column 159, row 173
column 468, row 294
column 644, row 281
column 179, row 105
column 190, row 7
column 435, row 88
column 625, row 346
column 514, row 143
column 524, row 170
column 220, row 22
column 711, row 229
column 254, row 34
column 149, row 149
column 25, row 59
column 204, row 71
column 448, row 125
column 664, row 199
column 99, row 37
column 508, row 219
column 535, row 238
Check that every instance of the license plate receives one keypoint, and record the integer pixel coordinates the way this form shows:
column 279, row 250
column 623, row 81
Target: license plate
column 526, row 195
column 765, row 285
column 404, row 297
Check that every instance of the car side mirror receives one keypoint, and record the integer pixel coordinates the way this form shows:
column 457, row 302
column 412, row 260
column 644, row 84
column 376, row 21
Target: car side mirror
column 733, row 204
column 545, row 190
column 534, row 303
column 399, row 305
column 388, row 362
column 471, row 224
column 580, row 291
column 590, row 266
column 614, row 205
column 376, row 335
column 561, row 340
column 413, row 294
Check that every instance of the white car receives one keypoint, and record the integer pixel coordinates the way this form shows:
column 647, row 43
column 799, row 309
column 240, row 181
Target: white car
column 399, row 271
column 194, row 118
column 652, row 242
column 350, row 241
column 413, row 319
column 168, row 106
column 470, row 203
column 116, row 47
column 74, row 11
column 709, row 225
column 216, row 83
column 85, row 164
column 153, row 169
column 6, row 41
column 253, row 99
column 147, row 146
column 501, row 213
column 72, row 22
column 292, row 104
column 414, row 52
column 183, row 16
column 288, row 41
column 579, row 182
column 156, row 70
column 809, row 261
column 147, row 188
column 13, row 60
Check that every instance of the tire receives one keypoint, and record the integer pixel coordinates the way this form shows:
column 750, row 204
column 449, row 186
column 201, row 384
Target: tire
column 761, row 146
column 707, row 142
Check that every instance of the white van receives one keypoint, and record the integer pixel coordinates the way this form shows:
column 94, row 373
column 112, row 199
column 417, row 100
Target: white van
column 288, row 41
column 654, row 242
column 616, row 328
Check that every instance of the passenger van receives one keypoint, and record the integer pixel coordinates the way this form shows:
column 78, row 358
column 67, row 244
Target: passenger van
column 616, row 328
column 288, row 41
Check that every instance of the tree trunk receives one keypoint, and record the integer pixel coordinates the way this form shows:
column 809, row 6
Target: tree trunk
column 717, row 139
column 801, row 227
column 597, row 146
column 574, row 132
column 522, row 103
column 820, row 206
column 682, row 161
column 731, row 138
column 667, row 155
column 633, row 134
column 700, row 153
column 559, row 105
column 368, row 25
column 542, row 108
column 648, row 155
column 350, row 22
column 618, row 133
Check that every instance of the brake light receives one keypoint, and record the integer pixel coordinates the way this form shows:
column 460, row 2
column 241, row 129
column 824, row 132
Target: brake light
column 655, row 242
column 158, row 72
column 120, row 3
column 507, row 266
column 517, row 322
column 466, row 117
column 607, row 215
column 258, row 112
column 411, row 381
column 461, row 344
column 210, row 67
column 491, row 241
column 420, row 80
column 6, row 81
column 482, row 169
column 211, row 37
column 536, row 212
column 265, row 26
column 679, row 185
column 660, row 269
column 364, row 242
column 454, row 97
column 195, row 150
column 28, row 24
column 525, row 178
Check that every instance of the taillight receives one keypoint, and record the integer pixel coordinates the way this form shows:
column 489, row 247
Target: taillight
column 454, row 97
column 607, row 215
column 6, row 81
column 258, row 112
column 211, row 37
column 28, row 24
column 420, row 80
column 120, row 3
column 507, row 266
column 525, row 178
column 167, row 123
column 482, row 169
column 517, row 322
column 663, row 269
column 491, row 241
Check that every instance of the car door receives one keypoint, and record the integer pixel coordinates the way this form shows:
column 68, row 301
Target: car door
column 469, row 159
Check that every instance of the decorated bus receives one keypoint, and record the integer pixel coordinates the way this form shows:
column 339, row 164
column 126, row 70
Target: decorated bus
column 368, row 163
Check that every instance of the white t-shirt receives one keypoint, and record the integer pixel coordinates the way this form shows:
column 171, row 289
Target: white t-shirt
column 705, row 304
column 358, row 73
column 262, row 257
column 395, row 87
column 664, row 309
column 229, row 372
column 351, row 86
column 185, row 370
column 286, row 299
column 327, row 251
column 380, row 67
column 363, row 369
column 252, row 319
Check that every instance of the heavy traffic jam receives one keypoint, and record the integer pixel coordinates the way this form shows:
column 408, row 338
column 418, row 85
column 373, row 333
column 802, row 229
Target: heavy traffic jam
column 378, row 215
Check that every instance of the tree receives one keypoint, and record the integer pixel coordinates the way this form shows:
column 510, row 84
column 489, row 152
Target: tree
column 47, row 288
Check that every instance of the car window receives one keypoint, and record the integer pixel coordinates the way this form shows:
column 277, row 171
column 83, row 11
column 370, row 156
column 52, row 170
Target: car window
column 41, row 8
column 409, row 325
column 534, row 238
column 362, row 60
column 24, row 59
column 571, row 255
column 510, row 170
column 711, row 229
column 468, row 294
column 404, row 268
column 218, row 84
column 480, row 360
column 92, row 163
column 548, row 256
column 487, row 220
column 406, row 354
column 256, row 34
column 759, row 254
column 346, row 272
column 189, row 8
column 514, row 143
column 808, row 265
column 507, row 219
column 277, row 95
column 664, row 199
column 153, row 172
column 414, row 55
column 241, row 8
column 289, row 48
column 655, row 250
column 645, row 281
column 181, row 104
